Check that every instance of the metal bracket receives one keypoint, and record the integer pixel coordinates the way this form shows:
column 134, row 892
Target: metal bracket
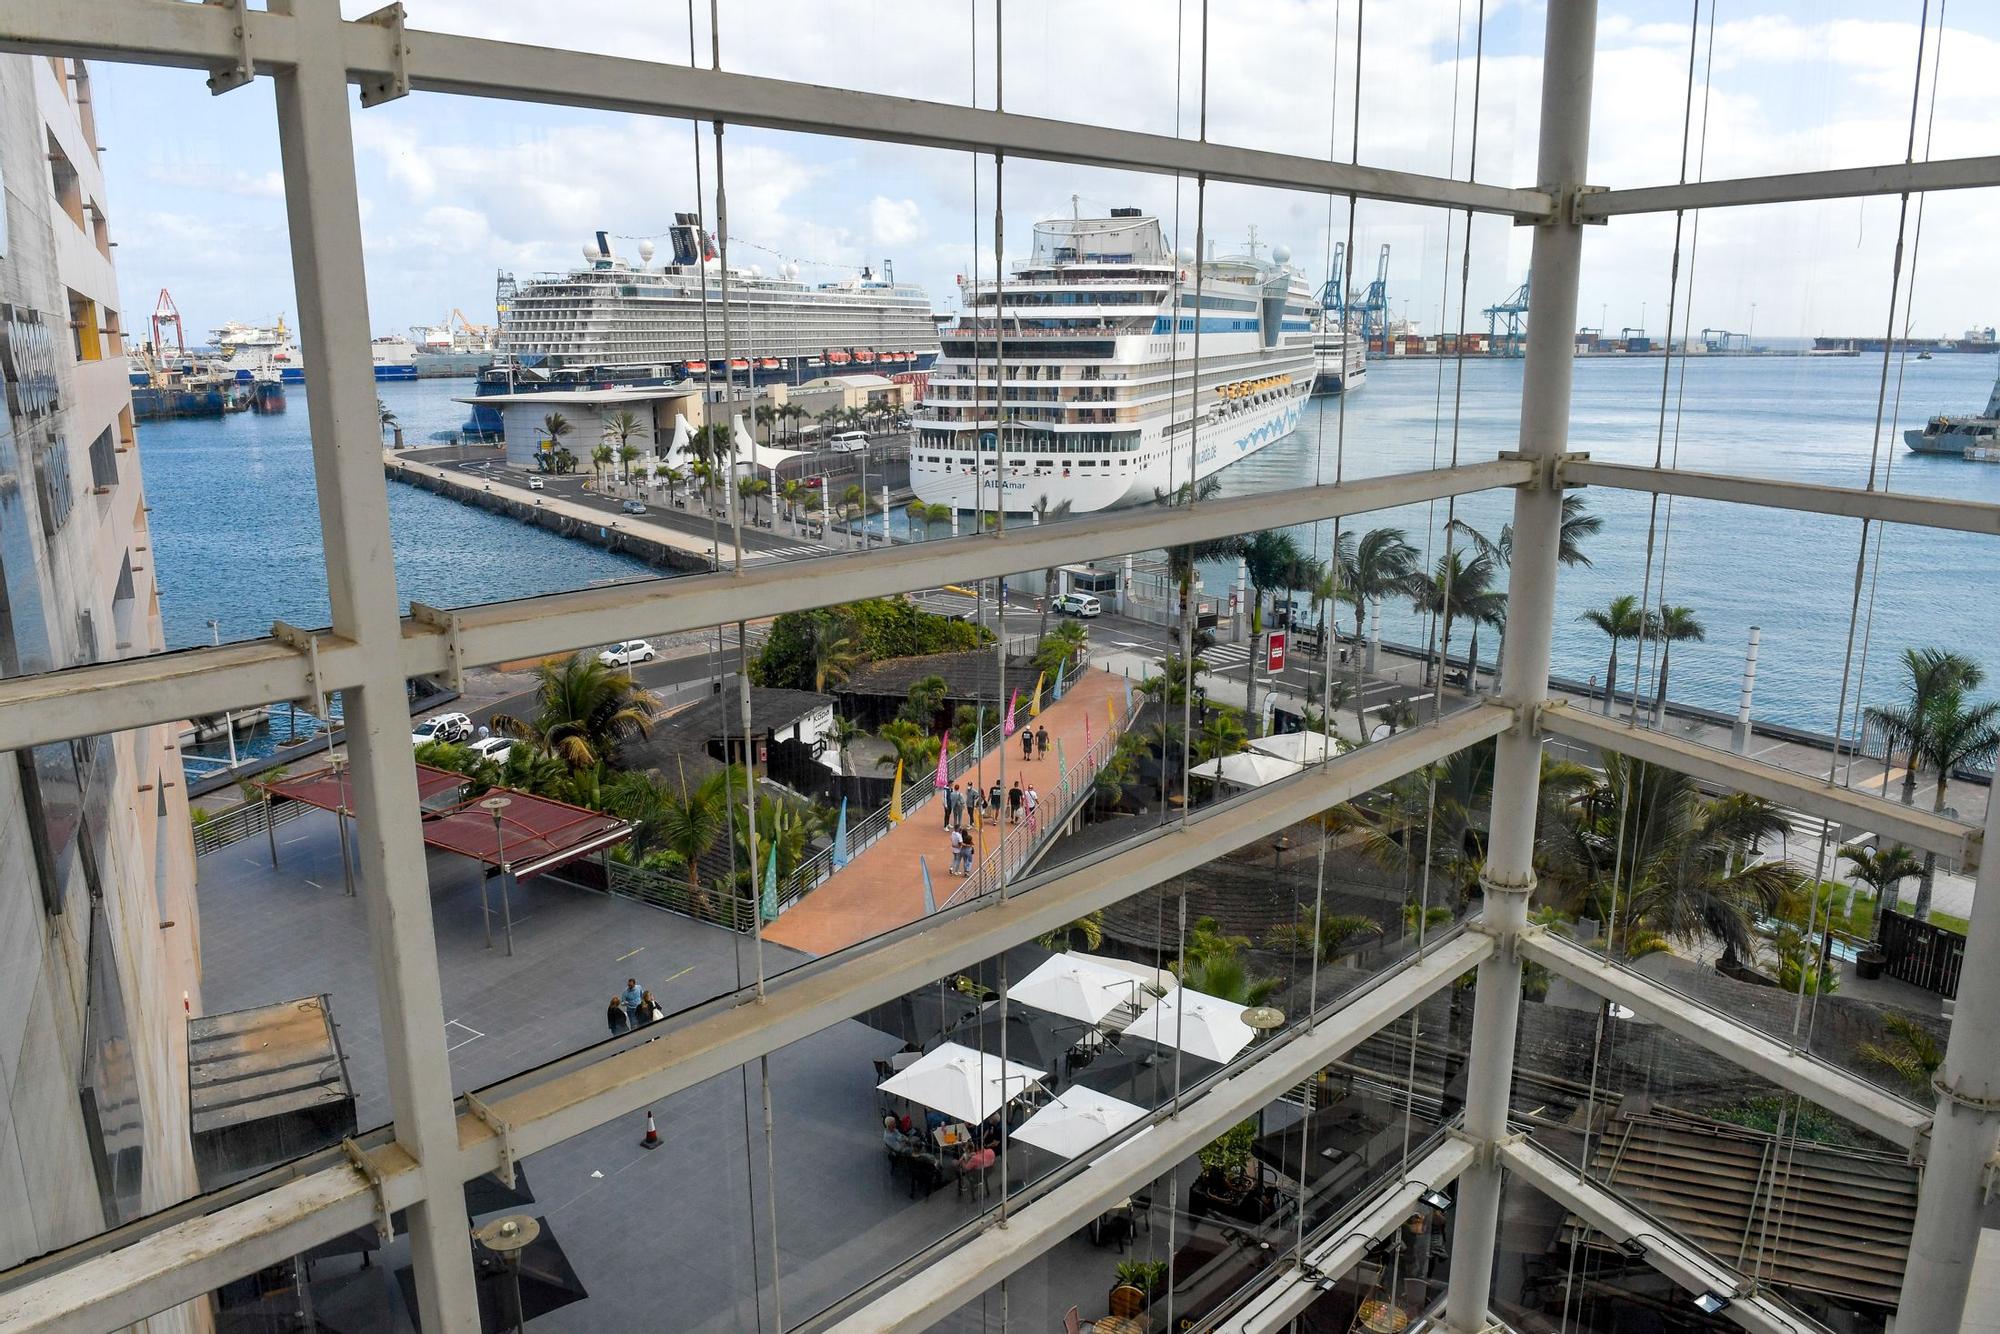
column 1548, row 467
column 366, row 1166
column 231, row 77
column 398, row 83
column 1573, row 204
column 1486, row 1152
column 307, row 643
column 504, row 1129
column 442, row 618
column 1972, row 1102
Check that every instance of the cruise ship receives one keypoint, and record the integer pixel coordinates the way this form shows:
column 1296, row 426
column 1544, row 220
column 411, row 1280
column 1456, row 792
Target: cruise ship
column 1340, row 356
column 266, row 351
column 622, row 322
column 1093, row 330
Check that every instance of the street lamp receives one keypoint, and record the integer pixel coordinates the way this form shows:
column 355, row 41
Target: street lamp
column 338, row 762
column 507, row 1238
column 495, row 805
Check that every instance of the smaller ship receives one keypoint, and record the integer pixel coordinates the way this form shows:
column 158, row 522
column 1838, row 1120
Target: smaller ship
column 1340, row 356
column 395, row 357
column 260, row 351
column 1961, row 437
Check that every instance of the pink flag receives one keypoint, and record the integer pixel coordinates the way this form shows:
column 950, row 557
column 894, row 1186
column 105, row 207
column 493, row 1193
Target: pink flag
column 941, row 782
column 1013, row 702
column 1086, row 731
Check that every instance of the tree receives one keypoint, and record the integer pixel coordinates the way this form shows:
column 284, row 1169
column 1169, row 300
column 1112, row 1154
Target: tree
column 1883, row 870
column 1183, row 560
column 1170, row 683
column 695, row 820
column 793, row 493
column 1956, row 733
column 619, row 428
column 600, row 459
column 1221, row 734
column 1215, row 966
column 1674, row 625
column 1912, row 1053
column 925, row 701
column 844, row 734
column 830, row 647
column 388, row 420
column 556, row 426
column 878, row 628
column 1930, row 672
column 749, row 488
column 583, row 711
column 1380, row 564
column 913, row 745
column 1457, row 588
column 674, row 478
column 1271, row 558
column 1620, row 620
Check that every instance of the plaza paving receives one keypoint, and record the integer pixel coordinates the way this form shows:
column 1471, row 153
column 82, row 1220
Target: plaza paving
column 661, row 1239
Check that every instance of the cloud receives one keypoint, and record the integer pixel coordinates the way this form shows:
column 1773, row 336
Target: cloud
column 895, row 222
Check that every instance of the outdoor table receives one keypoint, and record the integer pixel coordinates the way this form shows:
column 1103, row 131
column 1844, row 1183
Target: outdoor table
column 953, row 1136
column 1119, row 1324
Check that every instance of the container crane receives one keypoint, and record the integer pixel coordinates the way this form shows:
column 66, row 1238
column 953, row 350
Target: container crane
column 165, row 313
column 1721, row 340
column 1373, row 307
column 1635, row 339
column 1333, row 296
column 1506, row 327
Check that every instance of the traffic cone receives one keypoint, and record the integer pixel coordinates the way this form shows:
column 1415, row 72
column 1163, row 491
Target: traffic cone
column 652, row 1140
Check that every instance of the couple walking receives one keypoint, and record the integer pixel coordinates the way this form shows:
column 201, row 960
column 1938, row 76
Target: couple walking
column 1035, row 744
column 632, row 1008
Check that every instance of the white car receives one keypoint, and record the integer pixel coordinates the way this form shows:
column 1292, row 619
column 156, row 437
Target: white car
column 535, row 484
column 627, row 654
column 1077, row 604
column 493, row 748
column 454, row 728
column 848, row 442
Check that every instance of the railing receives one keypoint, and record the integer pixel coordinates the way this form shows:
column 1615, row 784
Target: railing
column 240, row 822
column 1922, row 954
column 1022, row 842
column 719, row 903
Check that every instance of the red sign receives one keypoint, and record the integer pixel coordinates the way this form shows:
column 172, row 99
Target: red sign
column 1275, row 658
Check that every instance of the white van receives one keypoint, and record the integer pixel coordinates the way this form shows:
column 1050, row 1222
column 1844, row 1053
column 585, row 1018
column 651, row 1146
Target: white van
column 849, row 442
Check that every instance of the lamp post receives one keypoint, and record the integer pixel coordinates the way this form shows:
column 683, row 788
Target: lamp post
column 338, row 763
column 507, row 1238
column 496, row 805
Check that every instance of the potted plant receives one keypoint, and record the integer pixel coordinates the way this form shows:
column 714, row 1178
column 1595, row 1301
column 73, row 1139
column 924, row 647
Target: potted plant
column 1869, row 963
column 1228, row 1179
column 1146, row 1277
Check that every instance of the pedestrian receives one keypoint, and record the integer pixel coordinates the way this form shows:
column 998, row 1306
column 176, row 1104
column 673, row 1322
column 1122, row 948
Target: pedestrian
column 630, row 998
column 616, row 1017
column 484, row 732
column 1014, row 803
column 1030, row 802
column 969, row 799
column 993, row 795
column 950, row 808
column 649, row 1009
column 1041, row 743
column 957, row 852
column 1027, row 744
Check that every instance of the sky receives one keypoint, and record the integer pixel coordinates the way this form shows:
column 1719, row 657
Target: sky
column 455, row 190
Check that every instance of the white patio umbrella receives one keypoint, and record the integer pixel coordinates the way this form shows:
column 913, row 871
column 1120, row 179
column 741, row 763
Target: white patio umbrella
column 1206, row 1026
column 1077, row 1121
column 1076, row 987
column 962, row 1083
column 1247, row 769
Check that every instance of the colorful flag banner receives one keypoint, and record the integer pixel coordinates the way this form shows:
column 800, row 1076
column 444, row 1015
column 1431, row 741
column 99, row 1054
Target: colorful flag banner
column 930, row 899
column 769, row 906
column 1013, row 706
column 1056, row 692
column 1035, row 704
column 840, row 837
column 1128, row 697
column 896, row 795
column 940, row 782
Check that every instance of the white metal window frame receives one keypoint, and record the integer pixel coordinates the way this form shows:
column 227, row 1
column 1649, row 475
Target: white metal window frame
column 368, row 651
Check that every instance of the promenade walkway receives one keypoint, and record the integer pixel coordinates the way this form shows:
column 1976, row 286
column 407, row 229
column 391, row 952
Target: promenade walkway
column 883, row 887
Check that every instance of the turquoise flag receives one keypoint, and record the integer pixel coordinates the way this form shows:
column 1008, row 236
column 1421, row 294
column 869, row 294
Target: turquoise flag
column 840, row 837
column 1128, row 697
column 1060, row 667
column 769, row 907
column 1062, row 765
column 930, row 899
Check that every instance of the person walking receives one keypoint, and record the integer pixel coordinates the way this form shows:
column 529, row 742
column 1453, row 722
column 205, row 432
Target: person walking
column 649, row 1010
column 1027, row 744
column 950, row 804
column 630, row 999
column 968, row 803
column 1030, row 802
column 1042, row 742
column 993, row 795
column 1014, row 803
column 615, row 1016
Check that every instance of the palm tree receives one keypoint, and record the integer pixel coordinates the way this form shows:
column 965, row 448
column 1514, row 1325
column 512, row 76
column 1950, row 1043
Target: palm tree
column 555, row 426
column 1182, row 560
column 389, row 421
column 1215, row 966
column 926, row 701
column 1577, row 524
column 831, row 650
column 600, row 459
column 619, row 428
column 748, row 489
column 1221, row 734
column 1956, row 733
column 1380, row 564
column 919, row 516
column 1457, row 588
column 913, row 745
column 1399, row 714
column 673, row 477
column 1883, row 870
column 1676, row 625
column 766, row 416
column 1620, row 620
column 694, row 821
column 844, row 734
column 583, row 710
column 793, row 493
column 1912, row 1053
column 1932, row 672
column 1271, row 558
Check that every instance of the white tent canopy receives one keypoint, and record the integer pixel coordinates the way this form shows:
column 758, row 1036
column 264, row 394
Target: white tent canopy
column 1206, row 1026
column 750, row 454
column 1077, row 1121
column 1077, row 987
column 962, row 1083
column 1245, row 769
column 1298, row 747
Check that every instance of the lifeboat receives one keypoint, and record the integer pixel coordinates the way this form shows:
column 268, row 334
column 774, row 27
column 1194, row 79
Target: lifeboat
column 740, row 364
column 697, row 368
column 863, row 355
column 837, row 358
column 767, row 363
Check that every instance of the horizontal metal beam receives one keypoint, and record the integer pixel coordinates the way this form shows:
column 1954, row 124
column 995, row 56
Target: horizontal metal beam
column 1906, row 824
column 1894, row 178
column 1679, row 1260
column 951, row 1280
column 1847, row 1096
column 577, row 1093
column 112, row 1289
column 84, row 701
column 1271, row 1311
column 1960, row 516
column 438, row 62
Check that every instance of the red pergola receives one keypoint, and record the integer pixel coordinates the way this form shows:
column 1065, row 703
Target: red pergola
column 535, row 834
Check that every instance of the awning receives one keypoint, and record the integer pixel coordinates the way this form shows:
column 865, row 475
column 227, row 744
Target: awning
column 535, row 834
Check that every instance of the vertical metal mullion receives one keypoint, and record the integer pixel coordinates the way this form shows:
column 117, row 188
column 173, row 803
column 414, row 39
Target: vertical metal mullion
column 1508, row 878
column 316, row 144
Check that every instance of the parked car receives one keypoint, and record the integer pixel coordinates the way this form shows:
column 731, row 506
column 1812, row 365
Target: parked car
column 1077, row 604
column 535, row 484
column 634, row 507
column 848, row 442
column 454, row 728
column 628, row 653
column 493, row 748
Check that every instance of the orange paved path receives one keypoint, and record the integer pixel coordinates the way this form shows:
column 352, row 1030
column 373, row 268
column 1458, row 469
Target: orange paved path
column 883, row 887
